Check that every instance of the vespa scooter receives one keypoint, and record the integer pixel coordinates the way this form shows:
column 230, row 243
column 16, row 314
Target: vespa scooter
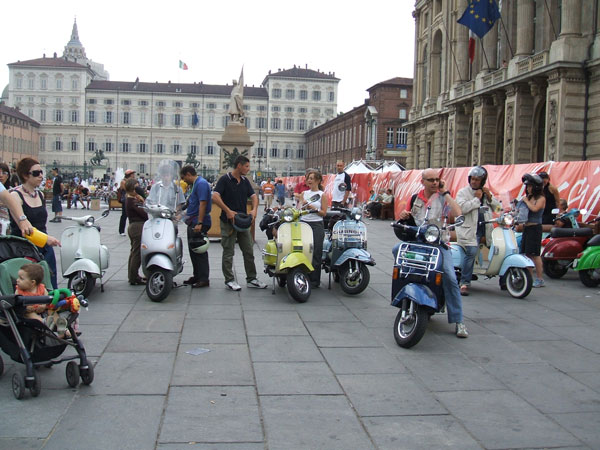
column 417, row 278
column 502, row 259
column 162, row 248
column 588, row 262
column 288, row 257
column 83, row 258
column 345, row 252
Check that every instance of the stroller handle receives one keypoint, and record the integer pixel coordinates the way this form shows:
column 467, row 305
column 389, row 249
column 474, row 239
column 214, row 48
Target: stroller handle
column 15, row 299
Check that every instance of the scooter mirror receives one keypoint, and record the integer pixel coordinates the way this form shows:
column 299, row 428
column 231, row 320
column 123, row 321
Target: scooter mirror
column 106, row 212
column 583, row 211
column 459, row 221
column 555, row 211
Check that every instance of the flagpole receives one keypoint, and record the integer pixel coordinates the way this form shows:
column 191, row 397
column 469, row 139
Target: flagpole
column 512, row 54
column 484, row 53
column 452, row 50
column 551, row 21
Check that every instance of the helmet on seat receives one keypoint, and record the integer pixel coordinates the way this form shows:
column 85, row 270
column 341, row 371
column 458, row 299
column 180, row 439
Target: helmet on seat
column 479, row 172
column 242, row 222
column 199, row 243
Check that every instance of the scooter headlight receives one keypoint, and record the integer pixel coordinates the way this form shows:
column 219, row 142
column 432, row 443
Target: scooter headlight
column 432, row 234
column 89, row 222
column 166, row 214
column 356, row 213
column 288, row 215
column 507, row 220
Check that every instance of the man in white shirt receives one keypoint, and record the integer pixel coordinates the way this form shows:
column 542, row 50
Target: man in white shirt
column 342, row 185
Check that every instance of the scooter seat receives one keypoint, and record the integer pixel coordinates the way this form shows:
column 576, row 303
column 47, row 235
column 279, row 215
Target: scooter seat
column 557, row 232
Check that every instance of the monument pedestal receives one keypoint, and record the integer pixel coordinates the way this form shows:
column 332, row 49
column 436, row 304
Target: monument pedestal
column 235, row 141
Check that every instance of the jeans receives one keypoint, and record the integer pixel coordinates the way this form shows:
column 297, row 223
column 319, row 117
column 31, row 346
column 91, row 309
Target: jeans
column 199, row 260
column 451, row 289
column 229, row 235
column 467, row 268
column 49, row 256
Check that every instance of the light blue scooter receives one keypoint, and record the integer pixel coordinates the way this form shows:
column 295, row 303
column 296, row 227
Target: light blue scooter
column 502, row 259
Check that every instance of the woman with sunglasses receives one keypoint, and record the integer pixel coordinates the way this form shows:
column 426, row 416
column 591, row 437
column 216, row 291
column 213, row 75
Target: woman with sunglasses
column 30, row 199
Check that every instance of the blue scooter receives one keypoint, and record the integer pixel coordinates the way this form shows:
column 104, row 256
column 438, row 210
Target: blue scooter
column 503, row 258
column 345, row 252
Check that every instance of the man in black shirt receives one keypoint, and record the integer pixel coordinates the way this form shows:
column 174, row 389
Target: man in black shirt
column 57, row 189
column 231, row 194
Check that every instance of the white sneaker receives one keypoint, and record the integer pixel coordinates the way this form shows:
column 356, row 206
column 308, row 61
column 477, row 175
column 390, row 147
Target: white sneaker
column 461, row 331
column 256, row 284
column 233, row 286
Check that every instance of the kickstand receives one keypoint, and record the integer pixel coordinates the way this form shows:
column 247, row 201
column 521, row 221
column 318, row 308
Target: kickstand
column 329, row 286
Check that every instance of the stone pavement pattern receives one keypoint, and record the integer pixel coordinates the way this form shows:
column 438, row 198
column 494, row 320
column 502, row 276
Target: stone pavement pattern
column 326, row 374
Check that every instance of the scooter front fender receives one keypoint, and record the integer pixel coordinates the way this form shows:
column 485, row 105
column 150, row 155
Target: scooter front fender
column 418, row 293
column 515, row 260
column 589, row 260
column 358, row 254
column 85, row 265
column 294, row 260
column 160, row 260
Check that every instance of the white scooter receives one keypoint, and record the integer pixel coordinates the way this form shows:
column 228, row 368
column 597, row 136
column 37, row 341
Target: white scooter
column 162, row 248
column 83, row 258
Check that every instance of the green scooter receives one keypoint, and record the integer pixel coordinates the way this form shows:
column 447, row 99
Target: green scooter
column 588, row 262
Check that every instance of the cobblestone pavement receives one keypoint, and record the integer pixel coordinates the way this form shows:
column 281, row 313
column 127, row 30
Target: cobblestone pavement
column 325, row 374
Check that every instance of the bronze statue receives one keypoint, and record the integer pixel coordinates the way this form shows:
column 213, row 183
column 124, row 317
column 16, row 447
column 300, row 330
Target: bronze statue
column 97, row 158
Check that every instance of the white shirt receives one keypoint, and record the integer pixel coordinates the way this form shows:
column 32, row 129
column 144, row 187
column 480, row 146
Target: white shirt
column 312, row 217
column 336, row 194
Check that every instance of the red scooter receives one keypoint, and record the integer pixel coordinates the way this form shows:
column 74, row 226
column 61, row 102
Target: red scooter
column 564, row 246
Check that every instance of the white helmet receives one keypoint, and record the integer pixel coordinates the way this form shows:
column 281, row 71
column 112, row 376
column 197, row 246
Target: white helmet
column 199, row 243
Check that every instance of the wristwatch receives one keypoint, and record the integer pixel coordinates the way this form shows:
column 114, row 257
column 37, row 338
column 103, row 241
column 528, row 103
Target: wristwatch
column 445, row 193
column 22, row 218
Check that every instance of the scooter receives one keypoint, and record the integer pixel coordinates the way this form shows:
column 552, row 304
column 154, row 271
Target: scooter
column 345, row 252
column 502, row 259
column 161, row 247
column 83, row 258
column 288, row 257
column 417, row 278
column 565, row 244
column 588, row 262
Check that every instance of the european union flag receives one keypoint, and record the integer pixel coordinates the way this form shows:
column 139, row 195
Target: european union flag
column 480, row 16
column 195, row 120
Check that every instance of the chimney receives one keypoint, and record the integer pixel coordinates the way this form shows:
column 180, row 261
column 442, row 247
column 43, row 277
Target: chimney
column 55, row 55
column 44, row 55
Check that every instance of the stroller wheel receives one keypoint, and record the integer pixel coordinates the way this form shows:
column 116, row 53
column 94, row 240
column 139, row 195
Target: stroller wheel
column 72, row 373
column 18, row 385
column 87, row 375
column 36, row 388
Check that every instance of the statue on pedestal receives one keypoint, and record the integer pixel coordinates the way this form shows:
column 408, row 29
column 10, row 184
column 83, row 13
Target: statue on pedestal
column 236, row 102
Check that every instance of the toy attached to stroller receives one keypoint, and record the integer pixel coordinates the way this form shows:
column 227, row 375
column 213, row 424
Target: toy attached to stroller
column 30, row 341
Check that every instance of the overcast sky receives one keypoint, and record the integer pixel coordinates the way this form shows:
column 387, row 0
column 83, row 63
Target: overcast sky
column 362, row 42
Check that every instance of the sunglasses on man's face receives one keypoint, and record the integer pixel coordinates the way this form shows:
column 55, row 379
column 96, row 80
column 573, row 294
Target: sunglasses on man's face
column 36, row 173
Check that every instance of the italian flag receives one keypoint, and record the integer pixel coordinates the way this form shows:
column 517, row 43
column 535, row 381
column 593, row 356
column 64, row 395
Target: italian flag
column 183, row 65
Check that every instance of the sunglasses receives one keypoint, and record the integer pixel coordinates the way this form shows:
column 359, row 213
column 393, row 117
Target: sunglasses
column 36, row 173
column 433, row 180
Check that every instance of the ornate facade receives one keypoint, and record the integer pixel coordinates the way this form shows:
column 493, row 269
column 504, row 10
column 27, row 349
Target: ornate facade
column 531, row 93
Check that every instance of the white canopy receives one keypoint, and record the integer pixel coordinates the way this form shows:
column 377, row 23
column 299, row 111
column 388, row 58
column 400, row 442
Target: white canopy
column 357, row 167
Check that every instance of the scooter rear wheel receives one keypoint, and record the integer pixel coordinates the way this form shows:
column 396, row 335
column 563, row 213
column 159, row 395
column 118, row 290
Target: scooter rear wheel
column 412, row 330
column 81, row 283
column 159, row 284
column 554, row 269
column 587, row 278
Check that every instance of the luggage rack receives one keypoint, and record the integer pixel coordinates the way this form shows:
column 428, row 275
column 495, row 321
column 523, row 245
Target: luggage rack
column 416, row 259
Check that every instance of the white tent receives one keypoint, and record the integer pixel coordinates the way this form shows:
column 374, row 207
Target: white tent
column 390, row 166
column 357, row 167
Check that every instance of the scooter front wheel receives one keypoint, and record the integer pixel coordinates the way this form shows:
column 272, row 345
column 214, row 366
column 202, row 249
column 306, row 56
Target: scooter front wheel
column 81, row 283
column 298, row 284
column 518, row 282
column 410, row 331
column 354, row 281
column 159, row 284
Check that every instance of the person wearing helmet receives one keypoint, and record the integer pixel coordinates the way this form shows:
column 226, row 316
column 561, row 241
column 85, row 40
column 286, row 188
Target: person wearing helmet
column 552, row 200
column 198, row 223
column 474, row 230
column 531, row 241
column 435, row 195
column 231, row 194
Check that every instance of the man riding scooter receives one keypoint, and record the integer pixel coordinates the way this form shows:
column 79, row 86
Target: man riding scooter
column 474, row 229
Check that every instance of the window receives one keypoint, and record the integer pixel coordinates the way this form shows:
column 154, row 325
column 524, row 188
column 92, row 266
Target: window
column 260, row 152
column 142, row 168
column 44, row 83
column 275, row 108
column 160, row 119
column 19, row 83
column 302, row 110
column 329, row 112
column 42, row 115
column 389, row 140
column 126, row 117
column 176, row 148
column 177, row 120
column 58, row 144
column 303, row 94
column 58, row 115
column 287, row 153
column 194, row 105
column 59, row 83
column 316, row 96
column 402, row 114
column 108, row 117
column 125, row 145
column 160, row 104
column 42, row 143
column 91, row 101
column 74, row 85
column 91, row 145
column 73, row 100
column 274, row 152
column 247, row 108
column 141, row 147
column 289, row 109
column 74, row 145
column 275, row 123
column 30, row 83
column 289, row 124
column 211, row 106
column 225, row 121
column 301, row 124
column 261, row 108
column 108, row 101
column 261, row 123
column 43, row 100
column 178, row 104
column 159, row 147
column 276, row 92
column 210, row 149
column 125, row 102
column 142, row 118
column 401, row 137
column 331, row 96
column 108, row 145
column 316, row 110
column 58, row 100
column 92, row 116
column 74, row 116
column 300, row 153
column 290, row 94
column 211, row 121
column 143, row 103
column 193, row 148
column 403, row 93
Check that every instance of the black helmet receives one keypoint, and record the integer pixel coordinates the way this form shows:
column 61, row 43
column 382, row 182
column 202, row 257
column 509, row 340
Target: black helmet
column 198, row 243
column 403, row 234
column 532, row 179
column 480, row 172
column 242, row 222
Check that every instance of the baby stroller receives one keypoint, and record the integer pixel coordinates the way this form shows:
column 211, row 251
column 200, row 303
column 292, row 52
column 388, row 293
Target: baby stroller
column 30, row 341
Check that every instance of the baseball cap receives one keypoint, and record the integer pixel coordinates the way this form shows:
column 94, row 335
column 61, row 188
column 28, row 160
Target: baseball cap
column 129, row 172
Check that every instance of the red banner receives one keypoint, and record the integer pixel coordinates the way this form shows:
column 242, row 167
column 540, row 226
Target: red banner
column 577, row 181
